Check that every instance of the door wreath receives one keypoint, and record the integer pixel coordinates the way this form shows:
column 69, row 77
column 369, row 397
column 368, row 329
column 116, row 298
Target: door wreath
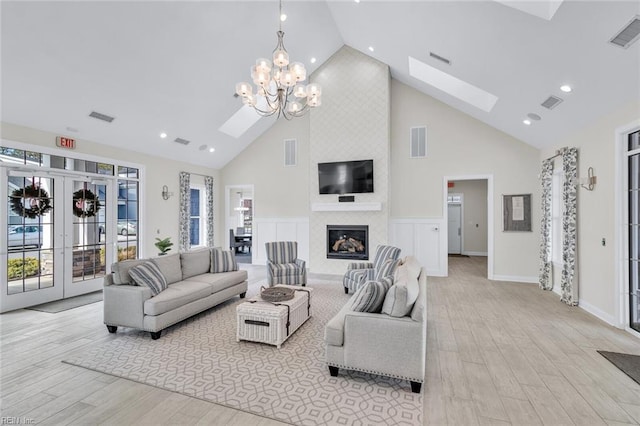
column 36, row 201
column 85, row 203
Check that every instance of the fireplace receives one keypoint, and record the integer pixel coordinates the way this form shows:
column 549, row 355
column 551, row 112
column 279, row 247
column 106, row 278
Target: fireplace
column 348, row 242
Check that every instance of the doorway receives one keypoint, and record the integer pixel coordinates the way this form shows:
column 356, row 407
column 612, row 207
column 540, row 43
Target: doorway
column 56, row 236
column 468, row 206
column 239, row 221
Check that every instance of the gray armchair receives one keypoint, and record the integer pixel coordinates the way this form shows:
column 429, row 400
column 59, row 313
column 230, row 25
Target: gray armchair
column 283, row 265
column 360, row 272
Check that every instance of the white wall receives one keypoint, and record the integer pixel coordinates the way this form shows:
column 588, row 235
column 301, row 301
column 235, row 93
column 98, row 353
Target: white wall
column 352, row 124
column 459, row 145
column 160, row 217
column 596, row 210
column 474, row 228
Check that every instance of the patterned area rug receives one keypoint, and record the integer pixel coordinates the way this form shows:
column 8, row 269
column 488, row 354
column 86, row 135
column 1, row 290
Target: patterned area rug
column 200, row 357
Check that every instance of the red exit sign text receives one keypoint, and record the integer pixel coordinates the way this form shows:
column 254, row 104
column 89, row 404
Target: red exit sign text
column 63, row 142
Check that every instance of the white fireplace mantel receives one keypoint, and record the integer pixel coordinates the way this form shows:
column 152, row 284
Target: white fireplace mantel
column 346, row 207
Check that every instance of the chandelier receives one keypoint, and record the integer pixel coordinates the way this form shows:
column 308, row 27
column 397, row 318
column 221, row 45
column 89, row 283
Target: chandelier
column 279, row 89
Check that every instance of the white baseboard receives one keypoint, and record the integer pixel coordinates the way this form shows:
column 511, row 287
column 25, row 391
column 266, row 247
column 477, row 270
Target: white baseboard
column 475, row 253
column 516, row 279
column 597, row 312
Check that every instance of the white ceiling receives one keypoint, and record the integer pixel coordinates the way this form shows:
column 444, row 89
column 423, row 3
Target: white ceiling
column 172, row 66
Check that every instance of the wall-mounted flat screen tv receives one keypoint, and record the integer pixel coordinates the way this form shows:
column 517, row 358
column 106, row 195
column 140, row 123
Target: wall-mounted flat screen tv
column 346, row 177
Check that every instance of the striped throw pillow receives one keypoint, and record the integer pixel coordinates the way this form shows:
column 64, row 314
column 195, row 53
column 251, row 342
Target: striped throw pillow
column 370, row 296
column 223, row 261
column 148, row 274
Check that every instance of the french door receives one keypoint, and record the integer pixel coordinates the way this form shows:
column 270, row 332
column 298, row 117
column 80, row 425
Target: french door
column 634, row 230
column 56, row 242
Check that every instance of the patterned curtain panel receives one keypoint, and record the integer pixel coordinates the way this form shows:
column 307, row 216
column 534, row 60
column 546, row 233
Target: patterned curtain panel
column 184, row 243
column 569, row 283
column 208, row 183
column 546, row 279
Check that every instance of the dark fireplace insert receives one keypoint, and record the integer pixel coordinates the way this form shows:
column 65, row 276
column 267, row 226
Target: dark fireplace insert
column 348, row 242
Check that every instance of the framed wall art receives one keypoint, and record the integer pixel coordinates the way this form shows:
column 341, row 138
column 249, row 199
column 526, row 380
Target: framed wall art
column 516, row 213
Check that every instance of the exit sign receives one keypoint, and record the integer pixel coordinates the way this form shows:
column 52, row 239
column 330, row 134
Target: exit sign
column 63, row 142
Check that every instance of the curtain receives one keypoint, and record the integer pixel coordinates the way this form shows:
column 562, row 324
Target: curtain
column 208, row 184
column 546, row 279
column 569, row 283
column 184, row 241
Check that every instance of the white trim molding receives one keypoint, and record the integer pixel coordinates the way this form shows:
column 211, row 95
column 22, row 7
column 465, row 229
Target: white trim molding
column 423, row 239
column 346, row 207
column 516, row 279
column 267, row 229
column 596, row 312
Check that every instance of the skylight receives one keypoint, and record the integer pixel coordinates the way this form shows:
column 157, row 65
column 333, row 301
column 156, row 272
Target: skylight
column 453, row 86
column 240, row 122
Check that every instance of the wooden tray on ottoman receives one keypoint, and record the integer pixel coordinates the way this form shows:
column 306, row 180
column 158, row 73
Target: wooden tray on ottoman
column 273, row 323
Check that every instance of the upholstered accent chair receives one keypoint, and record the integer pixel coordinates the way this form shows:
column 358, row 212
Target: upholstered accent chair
column 360, row 272
column 283, row 265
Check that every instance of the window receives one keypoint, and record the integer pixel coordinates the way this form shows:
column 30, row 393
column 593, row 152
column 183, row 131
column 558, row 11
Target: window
column 556, row 217
column 194, row 238
column 198, row 216
column 128, row 209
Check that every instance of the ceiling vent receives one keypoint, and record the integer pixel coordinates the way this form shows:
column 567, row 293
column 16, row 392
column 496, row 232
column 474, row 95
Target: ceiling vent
column 629, row 34
column 102, row 117
column 182, row 141
column 440, row 58
column 551, row 102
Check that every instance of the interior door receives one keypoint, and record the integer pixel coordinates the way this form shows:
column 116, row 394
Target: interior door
column 455, row 228
column 31, row 249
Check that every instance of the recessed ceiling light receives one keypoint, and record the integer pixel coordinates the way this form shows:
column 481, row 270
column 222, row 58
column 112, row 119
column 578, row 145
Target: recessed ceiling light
column 202, row 147
column 370, row 48
column 163, row 135
column 565, row 88
column 534, row 117
column 212, row 149
column 71, row 129
column 527, row 122
column 357, row 1
column 283, row 17
column 313, row 60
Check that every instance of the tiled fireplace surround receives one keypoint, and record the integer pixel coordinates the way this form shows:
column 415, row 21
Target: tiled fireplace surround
column 352, row 124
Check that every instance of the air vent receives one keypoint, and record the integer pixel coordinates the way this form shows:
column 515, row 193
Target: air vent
column 102, row 117
column 551, row 102
column 629, row 34
column 418, row 148
column 182, row 141
column 290, row 152
column 440, row 58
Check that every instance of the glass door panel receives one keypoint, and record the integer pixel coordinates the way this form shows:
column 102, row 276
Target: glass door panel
column 86, row 236
column 30, row 240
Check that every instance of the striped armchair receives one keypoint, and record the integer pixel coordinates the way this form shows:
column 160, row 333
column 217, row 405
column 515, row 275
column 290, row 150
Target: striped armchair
column 283, row 265
column 383, row 265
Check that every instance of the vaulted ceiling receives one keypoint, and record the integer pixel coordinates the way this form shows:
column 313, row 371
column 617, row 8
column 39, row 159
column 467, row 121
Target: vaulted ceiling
column 172, row 66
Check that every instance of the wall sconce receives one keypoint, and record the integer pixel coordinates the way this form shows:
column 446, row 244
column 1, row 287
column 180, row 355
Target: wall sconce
column 165, row 192
column 589, row 182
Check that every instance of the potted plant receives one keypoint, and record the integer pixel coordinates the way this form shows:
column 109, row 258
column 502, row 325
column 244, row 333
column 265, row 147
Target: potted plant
column 164, row 245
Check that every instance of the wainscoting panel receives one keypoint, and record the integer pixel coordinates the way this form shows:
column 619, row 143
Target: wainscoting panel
column 280, row 229
column 423, row 239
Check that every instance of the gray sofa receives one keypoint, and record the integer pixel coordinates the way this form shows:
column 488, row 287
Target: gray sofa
column 379, row 343
column 191, row 289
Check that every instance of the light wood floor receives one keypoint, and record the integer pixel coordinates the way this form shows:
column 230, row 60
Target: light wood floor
column 498, row 353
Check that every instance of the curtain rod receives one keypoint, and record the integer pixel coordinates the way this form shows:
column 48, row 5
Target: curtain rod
column 197, row 174
column 557, row 154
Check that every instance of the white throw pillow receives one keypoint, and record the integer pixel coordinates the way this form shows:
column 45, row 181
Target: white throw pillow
column 403, row 294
